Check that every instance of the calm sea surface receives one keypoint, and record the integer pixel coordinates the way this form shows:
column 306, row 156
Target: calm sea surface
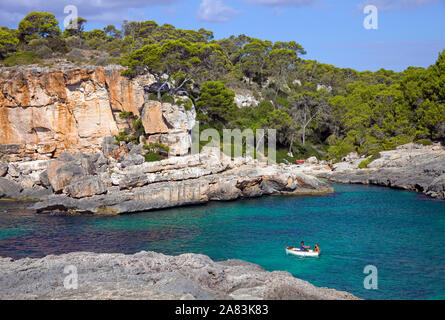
column 401, row 233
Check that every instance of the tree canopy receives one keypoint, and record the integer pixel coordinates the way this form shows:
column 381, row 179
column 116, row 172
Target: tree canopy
column 8, row 43
column 38, row 24
column 316, row 108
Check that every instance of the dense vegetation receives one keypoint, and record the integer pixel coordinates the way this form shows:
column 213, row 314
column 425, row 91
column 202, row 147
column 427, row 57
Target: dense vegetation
column 317, row 109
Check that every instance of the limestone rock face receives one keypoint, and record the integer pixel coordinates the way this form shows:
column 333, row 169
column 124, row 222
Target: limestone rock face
column 85, row 188
column 312, row 160
column 3, row 169
column 61, row 174
column 169, row 124
column 245, row 98
column 179, row 181
column 179, row 142
column 152, row 118
column 133, row 159
column 178, row 118
column 412, row 167
column 9, row 189
column 44, row 112
column 151, row 275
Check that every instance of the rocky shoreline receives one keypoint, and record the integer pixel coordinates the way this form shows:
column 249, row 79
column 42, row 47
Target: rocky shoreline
column 410, row 167
column 150, row 275
column 99, row 184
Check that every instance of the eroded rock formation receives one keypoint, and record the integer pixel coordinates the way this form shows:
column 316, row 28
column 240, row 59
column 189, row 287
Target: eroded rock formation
column 44, row 112
column 150, row 275
column 87, row 184
column 411, row 167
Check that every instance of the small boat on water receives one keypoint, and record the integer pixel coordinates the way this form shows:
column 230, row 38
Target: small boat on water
column 302, row 253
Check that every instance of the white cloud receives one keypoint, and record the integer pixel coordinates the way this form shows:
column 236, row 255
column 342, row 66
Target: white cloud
column 215, row 11
column 279, row 3
column 390, row 5
column 111, row 11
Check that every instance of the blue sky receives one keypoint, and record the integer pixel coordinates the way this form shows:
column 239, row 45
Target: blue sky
column 410, row 32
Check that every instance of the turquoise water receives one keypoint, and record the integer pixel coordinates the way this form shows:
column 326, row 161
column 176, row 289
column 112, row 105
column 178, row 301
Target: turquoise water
column 399, row 232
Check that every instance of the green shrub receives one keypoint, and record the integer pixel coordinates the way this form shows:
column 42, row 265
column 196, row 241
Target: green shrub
column 126, row 114
column 36, row 44
column 153, row 96
column 341, row 150
column 73, row 42
column 392, row 143
column 298, row 152
column 94, row 43
column 76, row 54
column 167, row 98
column 21, row 58
column 138, row 127
column 102, row 61
column 425, row 142
column 371, row 146
column 115, row 52
column 364, row 163
column 186, row 102
column 282, row 156
column 44, row 52
column 151, row 157
column 156, row 148
column 128, row 73
column 133, row 139
column 122, row 136
column 283, row 102
column 114, row 61
column 57, row 44
column 307, row 151
column 376, row 156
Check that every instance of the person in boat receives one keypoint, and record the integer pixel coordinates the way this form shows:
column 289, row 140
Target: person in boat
column 303, row 247
column 317, row 248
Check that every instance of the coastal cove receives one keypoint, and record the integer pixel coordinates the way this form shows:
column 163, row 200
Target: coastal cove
column 399, row 232
column 152, row 158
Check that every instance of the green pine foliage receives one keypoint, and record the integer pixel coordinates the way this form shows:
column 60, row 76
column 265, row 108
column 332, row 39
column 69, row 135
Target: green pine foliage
column 215, row 105
column 364, row 163
column 152, row 157
column 316, row 108
column 8, row 43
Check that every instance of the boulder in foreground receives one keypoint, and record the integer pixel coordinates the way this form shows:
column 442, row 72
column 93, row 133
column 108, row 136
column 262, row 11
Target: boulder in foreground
column 150, row 275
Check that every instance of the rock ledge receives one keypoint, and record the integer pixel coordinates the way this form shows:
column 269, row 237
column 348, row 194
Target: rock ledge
column 151, row 275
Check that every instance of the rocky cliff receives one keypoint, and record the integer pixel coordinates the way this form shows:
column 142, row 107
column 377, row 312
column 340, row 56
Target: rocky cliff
column 91, row 183
column 411, row 167
column 57, row 147
column 46, row 111
column 150, row 275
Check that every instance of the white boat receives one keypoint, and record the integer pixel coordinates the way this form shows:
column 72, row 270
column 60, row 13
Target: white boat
column 301, row 253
